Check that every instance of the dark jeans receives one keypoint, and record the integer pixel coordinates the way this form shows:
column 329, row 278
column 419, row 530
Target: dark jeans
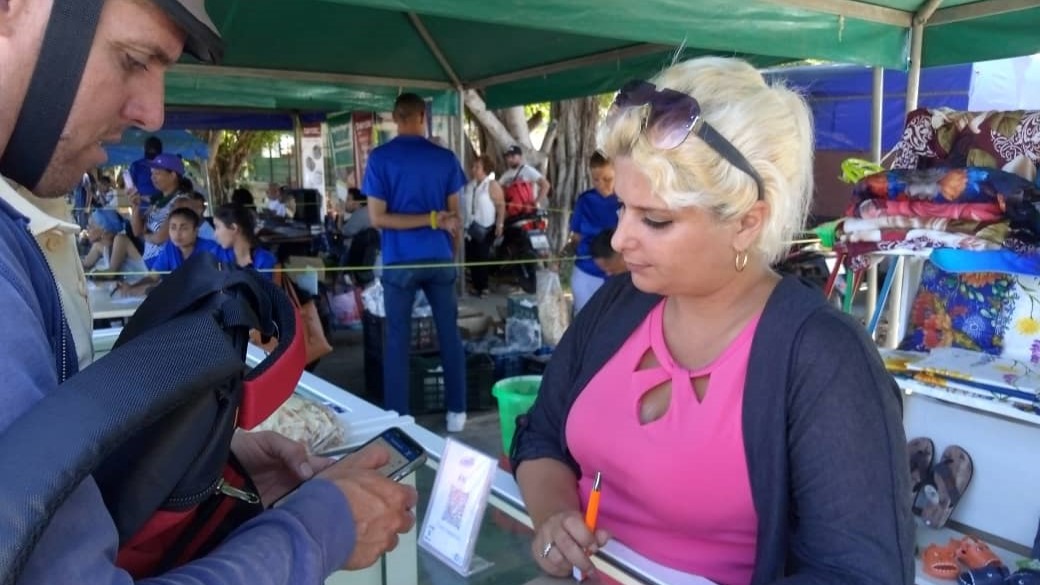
column 479, row 250
column 399, row 288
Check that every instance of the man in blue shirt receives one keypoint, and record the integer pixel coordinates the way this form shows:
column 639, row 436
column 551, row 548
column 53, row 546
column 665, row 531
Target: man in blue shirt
column 596, row 210
column 413, row 197
column 349, row 514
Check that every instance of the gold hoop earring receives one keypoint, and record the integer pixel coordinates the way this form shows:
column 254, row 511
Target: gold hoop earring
column 740, row 262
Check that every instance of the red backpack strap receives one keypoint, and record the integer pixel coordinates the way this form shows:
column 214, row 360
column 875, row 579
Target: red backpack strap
column 271, row 382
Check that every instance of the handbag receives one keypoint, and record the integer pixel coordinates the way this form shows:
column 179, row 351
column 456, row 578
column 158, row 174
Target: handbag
column 313, row 332
column 477, row 233
column 310, row 323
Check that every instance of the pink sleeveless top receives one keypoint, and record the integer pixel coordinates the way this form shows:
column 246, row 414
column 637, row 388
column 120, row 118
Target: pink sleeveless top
column 676, row 490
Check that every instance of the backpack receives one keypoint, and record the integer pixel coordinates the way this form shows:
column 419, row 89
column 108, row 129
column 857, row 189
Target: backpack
column 161, row 458
column 519, row 196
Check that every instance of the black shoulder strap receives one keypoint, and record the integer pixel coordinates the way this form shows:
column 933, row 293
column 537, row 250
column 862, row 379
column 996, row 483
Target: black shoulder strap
column 52, row 90
column 48, row 451
column 200, row 277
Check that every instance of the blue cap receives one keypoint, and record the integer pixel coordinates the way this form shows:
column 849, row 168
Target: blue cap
column 168, row 162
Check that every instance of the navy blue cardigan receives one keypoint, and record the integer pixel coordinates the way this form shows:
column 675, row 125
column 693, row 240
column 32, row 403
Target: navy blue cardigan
column 825, row 445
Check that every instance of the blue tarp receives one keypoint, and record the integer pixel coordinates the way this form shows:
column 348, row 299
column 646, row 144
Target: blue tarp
column 178, row 142
column 840, row 97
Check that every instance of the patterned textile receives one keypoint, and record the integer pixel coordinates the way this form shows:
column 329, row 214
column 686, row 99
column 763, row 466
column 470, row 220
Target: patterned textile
column 873, row 208
column 943, row 137
column 946, row 185
column 969, row 311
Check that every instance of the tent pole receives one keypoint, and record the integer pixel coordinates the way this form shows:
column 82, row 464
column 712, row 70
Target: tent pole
column 298, row 149
column 460, row 127
column 913, row 79
column 876, row 126
column 877, row 114
column 913, row 86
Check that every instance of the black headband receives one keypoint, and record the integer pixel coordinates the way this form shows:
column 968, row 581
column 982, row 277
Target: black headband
column 52, row 90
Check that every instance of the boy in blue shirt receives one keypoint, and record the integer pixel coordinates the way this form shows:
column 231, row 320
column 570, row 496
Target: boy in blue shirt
column 595, row 211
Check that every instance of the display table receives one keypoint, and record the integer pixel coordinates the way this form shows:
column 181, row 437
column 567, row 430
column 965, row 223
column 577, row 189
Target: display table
column 104, row 306
column 509, row 550
column 505, row 538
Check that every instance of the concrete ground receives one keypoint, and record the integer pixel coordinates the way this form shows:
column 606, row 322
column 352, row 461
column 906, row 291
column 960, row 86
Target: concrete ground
column 345, row 368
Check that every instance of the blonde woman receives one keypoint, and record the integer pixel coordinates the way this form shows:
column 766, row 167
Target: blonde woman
column 746, row 431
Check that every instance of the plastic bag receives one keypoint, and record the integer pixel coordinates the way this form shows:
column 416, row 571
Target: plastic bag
column 372, row 299
column 552, row 307
column 523, row 334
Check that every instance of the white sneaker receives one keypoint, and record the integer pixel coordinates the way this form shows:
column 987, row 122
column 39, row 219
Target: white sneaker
column 456, row 421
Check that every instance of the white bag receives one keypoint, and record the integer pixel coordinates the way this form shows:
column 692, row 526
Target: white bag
column 552, row 307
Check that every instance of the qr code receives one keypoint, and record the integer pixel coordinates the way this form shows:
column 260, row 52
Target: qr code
column 456, row 507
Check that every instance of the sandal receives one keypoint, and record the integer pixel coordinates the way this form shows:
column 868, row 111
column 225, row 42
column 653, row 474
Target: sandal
column 940, row 495
column 922, row 453
column 990, row 575
column 976, row 554
column 941, row 561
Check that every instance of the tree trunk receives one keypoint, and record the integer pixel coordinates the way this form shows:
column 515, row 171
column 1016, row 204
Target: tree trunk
column 575, row 141
column 501, row 129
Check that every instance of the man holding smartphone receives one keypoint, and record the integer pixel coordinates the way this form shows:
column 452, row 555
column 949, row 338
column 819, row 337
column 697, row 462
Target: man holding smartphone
column 119, row 50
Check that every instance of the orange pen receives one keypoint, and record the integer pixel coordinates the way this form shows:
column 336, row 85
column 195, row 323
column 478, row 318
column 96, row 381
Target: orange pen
column 591, row 513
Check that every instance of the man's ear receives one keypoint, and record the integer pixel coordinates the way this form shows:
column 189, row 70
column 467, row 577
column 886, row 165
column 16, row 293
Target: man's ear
column 11, row 11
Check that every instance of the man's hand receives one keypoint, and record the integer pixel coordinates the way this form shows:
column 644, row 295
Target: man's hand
column 276, row 463
column 382, row 508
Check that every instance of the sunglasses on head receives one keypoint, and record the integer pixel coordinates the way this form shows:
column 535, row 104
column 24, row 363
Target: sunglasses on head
column 673, row 116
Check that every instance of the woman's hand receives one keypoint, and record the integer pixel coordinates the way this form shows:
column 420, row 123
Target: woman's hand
column 563, row 542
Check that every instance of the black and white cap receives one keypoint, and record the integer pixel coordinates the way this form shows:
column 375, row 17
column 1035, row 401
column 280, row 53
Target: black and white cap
column 203, row 40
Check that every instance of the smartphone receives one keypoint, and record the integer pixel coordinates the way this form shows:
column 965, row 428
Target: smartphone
column 406, row 455
column 128, row 180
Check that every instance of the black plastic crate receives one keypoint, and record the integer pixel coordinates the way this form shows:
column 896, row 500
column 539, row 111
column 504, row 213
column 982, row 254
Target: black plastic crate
column 427, row 383
column 424, row 334
column 509, row 365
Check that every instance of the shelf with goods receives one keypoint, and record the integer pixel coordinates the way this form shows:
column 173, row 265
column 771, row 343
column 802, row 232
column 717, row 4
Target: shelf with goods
column 1000, row 504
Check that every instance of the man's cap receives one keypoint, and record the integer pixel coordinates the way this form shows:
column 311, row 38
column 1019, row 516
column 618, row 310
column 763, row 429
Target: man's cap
column 202, row 39
column 168, row 162
column 513, row 150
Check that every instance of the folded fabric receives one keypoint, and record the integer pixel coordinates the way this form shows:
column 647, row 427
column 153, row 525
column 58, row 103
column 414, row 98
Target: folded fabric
column 1007, row 261
column 872, row 208
column 969, row 311
column 992, row 312
column 948, row 185
column 854, row 224
column 943, row 137
column 895, row 239
column 1010, row 377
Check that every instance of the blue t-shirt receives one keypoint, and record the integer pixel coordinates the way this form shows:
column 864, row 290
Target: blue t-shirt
column 414, row 176
column 593, row 213
column 170, row 257
column 263, row 260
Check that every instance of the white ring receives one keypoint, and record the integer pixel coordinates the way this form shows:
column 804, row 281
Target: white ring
column 548, row 548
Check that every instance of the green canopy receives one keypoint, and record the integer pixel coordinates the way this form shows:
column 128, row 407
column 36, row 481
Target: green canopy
column 350, row 54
